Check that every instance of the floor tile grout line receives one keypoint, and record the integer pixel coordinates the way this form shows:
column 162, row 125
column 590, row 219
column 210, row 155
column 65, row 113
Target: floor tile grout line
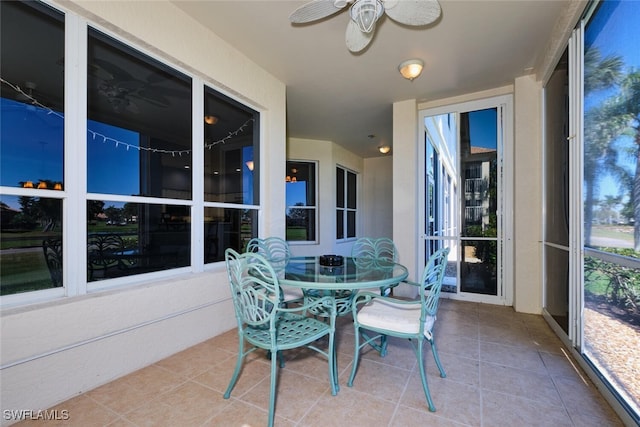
column 398, row 403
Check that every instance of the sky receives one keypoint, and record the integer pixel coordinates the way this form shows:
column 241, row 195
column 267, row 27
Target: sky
column 483, row 128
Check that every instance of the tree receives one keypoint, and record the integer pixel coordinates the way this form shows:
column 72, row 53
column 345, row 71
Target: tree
column 94, row 207
column 602, row 126
column 130, row 211
column 297, row 216
column 114, row 214
column 631, row 105
column 608, row 209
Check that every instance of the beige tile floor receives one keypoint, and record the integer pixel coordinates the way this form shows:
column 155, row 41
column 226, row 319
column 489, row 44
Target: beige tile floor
column 503, row 369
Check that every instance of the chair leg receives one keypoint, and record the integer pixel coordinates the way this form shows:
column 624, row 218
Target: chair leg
column 423, row 376
column 333, row 365
column 356, row 356
column 236, row 372
column 443, row 374
column 272, row 392
column 383, row 345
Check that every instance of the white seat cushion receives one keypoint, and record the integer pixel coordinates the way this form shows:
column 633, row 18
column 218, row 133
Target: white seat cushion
column 403, row 318
column 290, row 293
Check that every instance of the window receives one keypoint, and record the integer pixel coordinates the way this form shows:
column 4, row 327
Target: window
column 32, row 148
column 592, row 212
column 231, row 171
column 467, row 193
column 138, row 147
column 301, row 201
column 346, row 209
column 134, row 194
column 610, row 195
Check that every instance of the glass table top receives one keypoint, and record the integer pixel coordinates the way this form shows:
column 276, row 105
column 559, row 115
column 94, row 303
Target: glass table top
column 354, row 273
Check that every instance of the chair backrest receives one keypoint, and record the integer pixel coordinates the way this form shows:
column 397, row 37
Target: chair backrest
column 53, row 256
column 382, row 247
column 274, row 249
column 386, row 249
column 102, row 247
column 254, row 288
column 432, row 281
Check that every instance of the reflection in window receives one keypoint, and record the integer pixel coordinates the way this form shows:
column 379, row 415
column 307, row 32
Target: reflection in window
column 32, row 104
column 139, row 127
column 301, row 201
column 227, row 228
column 346, row 197
column 231, row 150
column 139, row 142
column 478, row 146
column 32, row 146
column 124, row 239
column 479, row 267
column 31, row 236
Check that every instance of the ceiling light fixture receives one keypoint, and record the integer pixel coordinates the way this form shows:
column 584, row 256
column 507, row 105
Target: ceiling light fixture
column 384, row 149
column 365, row 13
column 411, row 68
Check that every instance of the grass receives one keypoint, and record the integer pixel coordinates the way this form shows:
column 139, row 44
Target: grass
column 23, row 272
column 619, row 232
column 296, row 233
column 25, row 239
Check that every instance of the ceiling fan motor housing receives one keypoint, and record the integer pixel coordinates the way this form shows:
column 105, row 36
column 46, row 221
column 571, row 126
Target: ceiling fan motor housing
column 365, row 13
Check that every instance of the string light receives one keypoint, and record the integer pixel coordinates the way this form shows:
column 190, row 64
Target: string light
column 97, row 135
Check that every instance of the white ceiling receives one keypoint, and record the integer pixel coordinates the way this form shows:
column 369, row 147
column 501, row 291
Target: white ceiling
column 333, row 94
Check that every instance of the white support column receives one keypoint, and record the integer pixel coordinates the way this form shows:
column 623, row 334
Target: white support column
column 405, row 188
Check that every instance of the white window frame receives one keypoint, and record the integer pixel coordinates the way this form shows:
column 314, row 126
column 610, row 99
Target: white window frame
column 75, row 196
column 503, row 103
column 346, row 209
column 313, row 208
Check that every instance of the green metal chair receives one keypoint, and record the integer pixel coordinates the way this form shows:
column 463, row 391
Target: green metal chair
column 263, row 323
column 277, row 252
column 414, row 320
column 274, row 249
column 368, row 250
column 382, row 247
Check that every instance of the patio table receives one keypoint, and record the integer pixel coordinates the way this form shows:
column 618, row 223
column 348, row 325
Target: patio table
column 318, row 280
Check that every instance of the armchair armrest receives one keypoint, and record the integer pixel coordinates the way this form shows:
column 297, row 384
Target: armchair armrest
column 410, row 282
column 367, row 297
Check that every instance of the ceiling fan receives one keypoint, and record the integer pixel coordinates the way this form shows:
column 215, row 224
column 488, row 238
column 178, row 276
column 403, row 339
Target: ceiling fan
column 123, row 91
column 365, row 13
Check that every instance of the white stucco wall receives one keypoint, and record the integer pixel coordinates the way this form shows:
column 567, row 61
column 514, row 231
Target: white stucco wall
column 51, row 352
column 377, row 193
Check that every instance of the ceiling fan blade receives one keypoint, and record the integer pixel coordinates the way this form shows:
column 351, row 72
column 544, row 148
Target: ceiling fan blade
column 412, row 12
column 315, row 10
column 152, row 97
column 107, row 71
column 356, row 39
